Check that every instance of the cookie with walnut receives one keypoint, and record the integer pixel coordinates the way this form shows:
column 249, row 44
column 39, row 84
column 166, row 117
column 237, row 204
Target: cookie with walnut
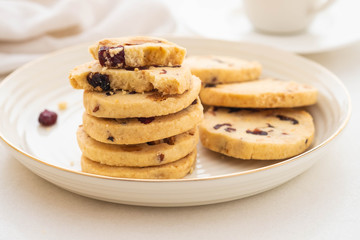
column 257, row 134
column 122, row 104
column 221, row 69
column 138, row 155
column 142, row 130
column 92, row 76
column 134, row 52
column 264, row 93
column 172, row 170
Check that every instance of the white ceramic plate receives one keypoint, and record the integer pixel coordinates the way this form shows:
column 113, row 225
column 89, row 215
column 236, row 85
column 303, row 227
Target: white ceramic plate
column 53, row 154
column 331, row 29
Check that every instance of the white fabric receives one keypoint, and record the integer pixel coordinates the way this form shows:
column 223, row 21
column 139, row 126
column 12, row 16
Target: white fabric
column 29, row 29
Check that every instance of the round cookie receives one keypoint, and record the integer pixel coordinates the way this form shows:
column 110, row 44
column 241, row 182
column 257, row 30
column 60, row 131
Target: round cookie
column 177, row 169
column 138, row 155
column 92, row 76
column 265, row 93
column 141, row 130
column 137, row 52
column 257, row 134
column 121, row 104
column 220, row 69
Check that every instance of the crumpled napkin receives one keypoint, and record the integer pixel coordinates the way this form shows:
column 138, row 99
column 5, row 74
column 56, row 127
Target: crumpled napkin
column 29, row 29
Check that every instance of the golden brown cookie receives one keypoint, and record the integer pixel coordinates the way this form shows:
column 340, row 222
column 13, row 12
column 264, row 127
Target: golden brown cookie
column 122, row 104
column 265, row 93
column 139, row 155
column 221, row 69
column 257, row 134
column 177, row 169
column 92, row 76
column 142, row 130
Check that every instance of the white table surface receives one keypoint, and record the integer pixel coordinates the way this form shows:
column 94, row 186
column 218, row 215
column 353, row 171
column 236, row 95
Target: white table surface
column 322, row 203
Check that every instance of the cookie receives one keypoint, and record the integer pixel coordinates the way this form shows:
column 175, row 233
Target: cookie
column 141, row 130
column 220, row 69
column 257, row 134
column 177, row 169
column 134, row 52
column 139, row 155
column 121, row 104
column 92, row 76
column 265, row 93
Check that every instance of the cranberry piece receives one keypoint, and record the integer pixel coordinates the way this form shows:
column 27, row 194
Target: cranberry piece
column 257, row 131
column 99, row 80
column 111, row 60
column 47, row 118
column 146, row 120
column 210, row 85
column 217, row 126
column 285, row 118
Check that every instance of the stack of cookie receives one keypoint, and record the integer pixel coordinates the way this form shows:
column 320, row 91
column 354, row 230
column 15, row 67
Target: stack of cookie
column 248, row 117
column 141, row 109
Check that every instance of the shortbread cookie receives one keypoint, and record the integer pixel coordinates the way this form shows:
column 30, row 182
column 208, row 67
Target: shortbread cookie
column 139, row 155
column 257, row 134
column 220, row 69
column 92, row 76
column 177, row 169
column 137, row 52
column 265, row 93
column 121, row 104
column 142, row 130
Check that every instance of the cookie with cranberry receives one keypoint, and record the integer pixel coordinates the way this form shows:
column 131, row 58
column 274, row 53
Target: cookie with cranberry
column 122, row 104
column 257, row 134
column 92, row 76
column 172, row 170
column 264, row 93
column 135, row 52
column 221, row 69
column 138, row 155
column 142, row 130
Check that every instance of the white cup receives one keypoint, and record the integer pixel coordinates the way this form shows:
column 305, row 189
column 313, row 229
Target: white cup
column 283, row 16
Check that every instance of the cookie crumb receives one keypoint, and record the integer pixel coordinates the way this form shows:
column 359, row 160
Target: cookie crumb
column 62, row 105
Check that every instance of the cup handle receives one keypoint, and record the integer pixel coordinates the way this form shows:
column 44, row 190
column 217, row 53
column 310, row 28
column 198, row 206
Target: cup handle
column 322, row 6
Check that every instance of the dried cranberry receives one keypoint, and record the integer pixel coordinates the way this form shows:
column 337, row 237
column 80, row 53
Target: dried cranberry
column 110, row 138
column 194, row 102
column 47, row 118
column 229, row 129
column 257, row 131
column 163, row 71
column 217, row 126
column 108, row 59
column 99, row 80
column 160, row 157
column 146, row 120
column 209, row 85
column 285, row 118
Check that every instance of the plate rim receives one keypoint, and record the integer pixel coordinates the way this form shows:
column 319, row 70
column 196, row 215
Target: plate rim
column 222, row 176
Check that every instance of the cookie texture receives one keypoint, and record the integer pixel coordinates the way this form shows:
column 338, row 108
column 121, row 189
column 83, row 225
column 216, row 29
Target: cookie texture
column 221, row 69
column 265, row 93
column 257, row 134
column 137, row 52
column 138, row 155
column 142, row 130
column 122, row 104
column 173, row 170
column 92, row 76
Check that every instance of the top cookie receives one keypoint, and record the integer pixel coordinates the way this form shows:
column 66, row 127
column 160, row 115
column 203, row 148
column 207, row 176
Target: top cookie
column 132, row 52
column 92, row 76
column 220, row 69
